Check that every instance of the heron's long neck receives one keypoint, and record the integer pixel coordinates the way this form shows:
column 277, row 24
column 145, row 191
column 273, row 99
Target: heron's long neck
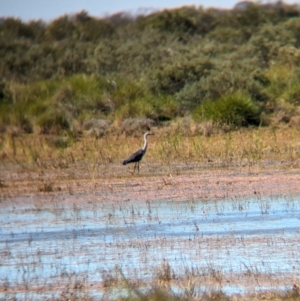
column 145, row 144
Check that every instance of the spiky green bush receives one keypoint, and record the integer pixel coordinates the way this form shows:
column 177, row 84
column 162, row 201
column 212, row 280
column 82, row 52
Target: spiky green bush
column 171, row 78
column 52, row 123
column 21, row 121
column 234, row 109
column 159, row 108
column 187, row 21
column 54, row 105
column 281, row 85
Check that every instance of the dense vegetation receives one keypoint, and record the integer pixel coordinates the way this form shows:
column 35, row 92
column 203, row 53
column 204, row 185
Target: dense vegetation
column 238, row 67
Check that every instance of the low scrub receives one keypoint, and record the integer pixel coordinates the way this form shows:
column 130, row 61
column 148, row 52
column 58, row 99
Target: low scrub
column 164, row 65
column 232, row 109
column 55, row 105
column 52, row 123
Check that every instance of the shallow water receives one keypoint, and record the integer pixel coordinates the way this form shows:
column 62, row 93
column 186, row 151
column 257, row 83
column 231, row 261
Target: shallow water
column 57, row 243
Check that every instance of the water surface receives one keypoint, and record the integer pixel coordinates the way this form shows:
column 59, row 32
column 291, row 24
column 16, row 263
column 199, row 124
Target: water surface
column 55, row 244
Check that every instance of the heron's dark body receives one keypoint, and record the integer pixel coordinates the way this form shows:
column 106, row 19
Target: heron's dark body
column 136, row 157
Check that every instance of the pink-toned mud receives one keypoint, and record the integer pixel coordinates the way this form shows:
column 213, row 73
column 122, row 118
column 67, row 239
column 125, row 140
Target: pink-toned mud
column 114, row 183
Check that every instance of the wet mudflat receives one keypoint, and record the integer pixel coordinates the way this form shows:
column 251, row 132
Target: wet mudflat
column 193, row 230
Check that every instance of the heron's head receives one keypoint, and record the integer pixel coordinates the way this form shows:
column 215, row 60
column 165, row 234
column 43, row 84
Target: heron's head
column 148, row 134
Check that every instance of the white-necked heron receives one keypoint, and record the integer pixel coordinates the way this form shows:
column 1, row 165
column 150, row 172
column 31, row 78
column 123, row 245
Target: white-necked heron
column 138, row 155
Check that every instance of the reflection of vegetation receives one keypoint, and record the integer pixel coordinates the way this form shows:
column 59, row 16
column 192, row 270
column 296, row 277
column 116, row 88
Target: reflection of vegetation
column 161, row 66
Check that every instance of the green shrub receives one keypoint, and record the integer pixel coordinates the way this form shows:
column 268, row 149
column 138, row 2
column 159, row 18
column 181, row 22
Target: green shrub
column 186, row 20
column 160, row 108
column 268, row 41
column 4, row 116
column 21, row 121
column 92, row 29
column 166, row 108
column 134, row 108
column 228, row 35
column 292, row 94
column 232, row 109
column 11, row 29
column 171, row 78
column 52, row 123
column 61, row 28
column 5, row 92
column 293, row 26
column 281, row 84
column 220, row 81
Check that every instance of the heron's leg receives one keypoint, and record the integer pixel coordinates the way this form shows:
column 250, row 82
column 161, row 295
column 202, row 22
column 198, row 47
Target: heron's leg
column 138, row 166
column 134, row 167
